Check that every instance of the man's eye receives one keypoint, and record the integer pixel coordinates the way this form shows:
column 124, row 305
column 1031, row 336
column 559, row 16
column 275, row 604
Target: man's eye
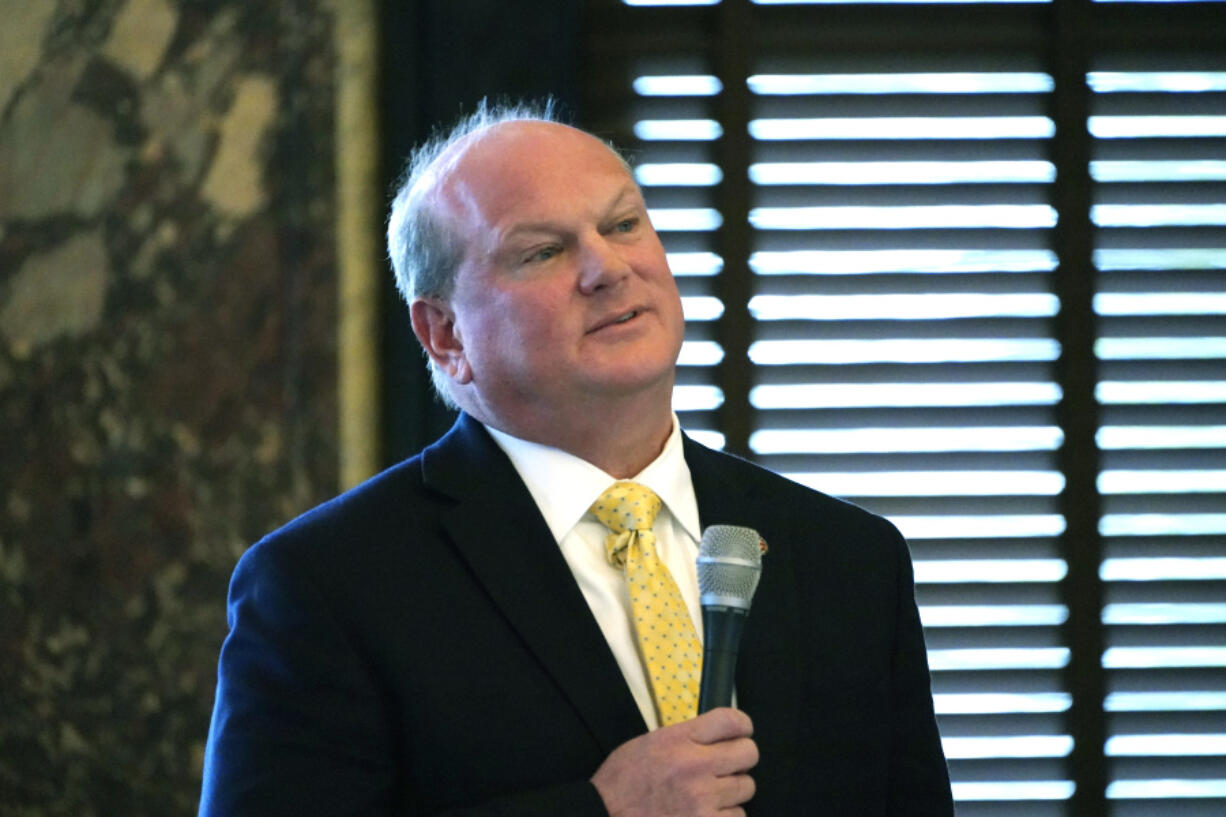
column 542, row 254
column 626, row 225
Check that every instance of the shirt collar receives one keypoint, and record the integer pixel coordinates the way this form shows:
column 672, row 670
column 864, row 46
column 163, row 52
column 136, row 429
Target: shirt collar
column 565, row 486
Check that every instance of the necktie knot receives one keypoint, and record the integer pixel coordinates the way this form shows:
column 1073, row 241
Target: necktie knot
column 626, row 508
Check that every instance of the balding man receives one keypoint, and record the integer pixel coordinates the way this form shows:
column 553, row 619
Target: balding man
column 472, row 632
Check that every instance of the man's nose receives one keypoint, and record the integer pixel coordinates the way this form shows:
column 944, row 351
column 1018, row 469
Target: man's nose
column 602, row 265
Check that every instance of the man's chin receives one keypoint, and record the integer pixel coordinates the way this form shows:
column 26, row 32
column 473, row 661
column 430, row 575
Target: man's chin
column 630, row 382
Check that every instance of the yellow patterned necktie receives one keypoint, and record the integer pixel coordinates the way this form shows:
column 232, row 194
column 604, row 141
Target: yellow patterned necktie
column 667, row 639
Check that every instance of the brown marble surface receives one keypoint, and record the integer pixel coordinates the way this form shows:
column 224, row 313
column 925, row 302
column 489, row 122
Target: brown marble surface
column 167, row 369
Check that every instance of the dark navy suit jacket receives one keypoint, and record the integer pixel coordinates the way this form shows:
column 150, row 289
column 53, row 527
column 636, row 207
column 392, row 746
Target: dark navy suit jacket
column 418, row 646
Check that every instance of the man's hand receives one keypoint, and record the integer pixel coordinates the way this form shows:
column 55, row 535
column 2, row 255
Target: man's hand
column 693, row 769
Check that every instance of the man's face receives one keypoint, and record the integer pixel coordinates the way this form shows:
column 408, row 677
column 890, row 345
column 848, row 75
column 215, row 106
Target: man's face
column 564, row 294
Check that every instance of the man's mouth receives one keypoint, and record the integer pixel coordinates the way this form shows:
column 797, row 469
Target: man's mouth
column 620, row 319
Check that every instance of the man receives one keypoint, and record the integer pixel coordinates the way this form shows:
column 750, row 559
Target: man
column 452, row 637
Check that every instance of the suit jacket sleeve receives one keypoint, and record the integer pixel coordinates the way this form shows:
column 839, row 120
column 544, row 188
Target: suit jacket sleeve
column 919, row 774
column 301, row 724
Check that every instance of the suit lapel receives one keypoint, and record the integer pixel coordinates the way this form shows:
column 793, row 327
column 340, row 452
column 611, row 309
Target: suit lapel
column 733, row 492
column 526, row 576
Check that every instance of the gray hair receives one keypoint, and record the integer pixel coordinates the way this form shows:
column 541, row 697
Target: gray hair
column 424, row 253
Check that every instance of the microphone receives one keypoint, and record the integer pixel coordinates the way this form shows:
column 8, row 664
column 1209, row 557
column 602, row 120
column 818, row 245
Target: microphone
column 729, row 566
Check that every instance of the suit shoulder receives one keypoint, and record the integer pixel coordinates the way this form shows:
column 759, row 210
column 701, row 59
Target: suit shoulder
column 385, row 503
column 717, row 473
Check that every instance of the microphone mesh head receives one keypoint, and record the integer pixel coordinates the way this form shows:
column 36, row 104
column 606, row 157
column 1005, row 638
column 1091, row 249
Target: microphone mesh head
column 729, row 565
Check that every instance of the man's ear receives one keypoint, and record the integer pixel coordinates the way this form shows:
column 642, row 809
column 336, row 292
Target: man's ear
column 434, row 324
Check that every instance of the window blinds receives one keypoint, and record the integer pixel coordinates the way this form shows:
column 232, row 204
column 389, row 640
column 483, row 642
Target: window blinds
column 1158, row 124
column 860, row 204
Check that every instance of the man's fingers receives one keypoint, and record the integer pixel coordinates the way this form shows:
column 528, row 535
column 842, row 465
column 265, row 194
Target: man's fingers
column 735, row 790
column 696, row 767
column 719, row 725
column 735, row 757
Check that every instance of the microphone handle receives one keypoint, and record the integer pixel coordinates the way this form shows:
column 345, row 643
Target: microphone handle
column 722, row 635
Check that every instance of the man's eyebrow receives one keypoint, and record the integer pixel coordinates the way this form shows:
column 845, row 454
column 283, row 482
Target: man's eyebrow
column 528, row 227
column 630, row 191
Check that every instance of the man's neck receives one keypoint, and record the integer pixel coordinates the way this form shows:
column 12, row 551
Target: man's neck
column 626, row 455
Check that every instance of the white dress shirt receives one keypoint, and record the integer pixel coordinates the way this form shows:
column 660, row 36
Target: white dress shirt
column 564, row 487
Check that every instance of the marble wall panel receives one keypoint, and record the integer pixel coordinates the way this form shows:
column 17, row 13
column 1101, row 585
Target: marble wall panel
column 167, row 368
